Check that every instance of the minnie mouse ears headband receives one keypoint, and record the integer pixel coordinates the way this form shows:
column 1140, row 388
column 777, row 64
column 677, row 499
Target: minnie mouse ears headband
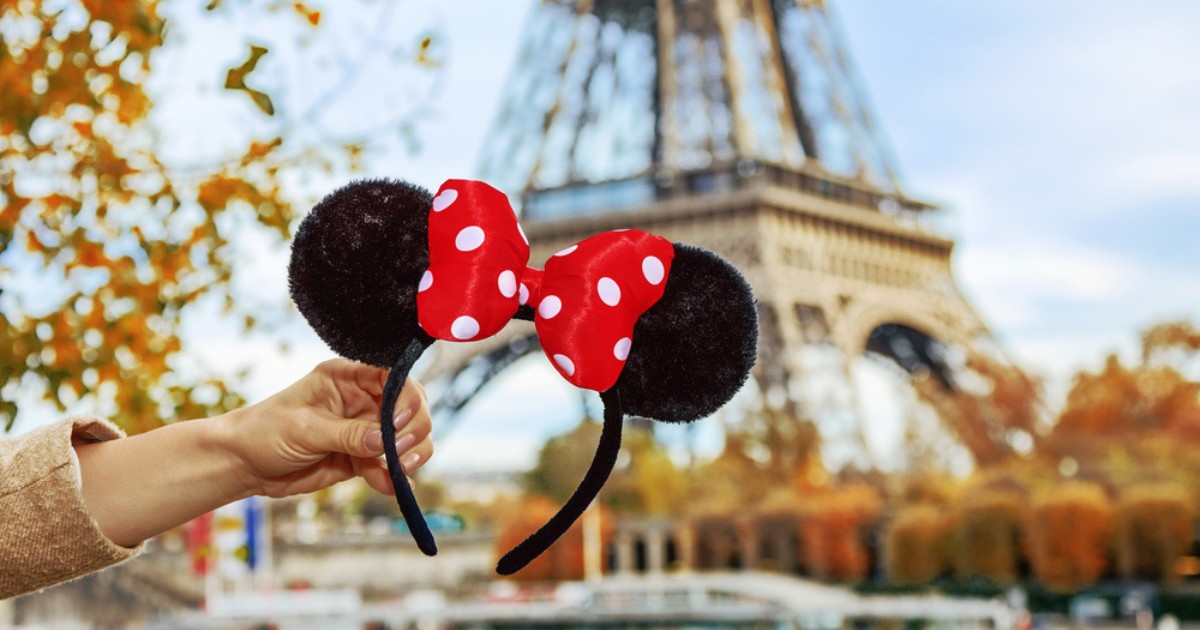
column 381, row 268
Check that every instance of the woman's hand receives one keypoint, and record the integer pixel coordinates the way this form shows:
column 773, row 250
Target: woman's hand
column 325, row 428
column 321, row 430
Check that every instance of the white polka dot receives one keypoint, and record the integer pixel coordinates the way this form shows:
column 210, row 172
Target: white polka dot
column 565, row 363
column 508, row 283
column 652, row 268
column 522, row 231
column 621, row 350
column 470, row 238
column 568, row 250
column 426, row 281
column 549, row 307
column 444, row 199
column 610, row 293
column 524, row 297
column 464, row 327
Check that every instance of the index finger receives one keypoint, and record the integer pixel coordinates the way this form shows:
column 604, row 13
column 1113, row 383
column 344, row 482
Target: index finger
column 359, row 386
column 368, row 378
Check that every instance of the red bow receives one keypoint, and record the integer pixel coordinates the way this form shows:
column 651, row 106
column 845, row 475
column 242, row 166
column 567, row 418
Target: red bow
column 587, row 300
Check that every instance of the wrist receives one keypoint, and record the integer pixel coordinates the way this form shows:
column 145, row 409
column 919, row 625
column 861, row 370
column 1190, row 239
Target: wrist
column 222, row 437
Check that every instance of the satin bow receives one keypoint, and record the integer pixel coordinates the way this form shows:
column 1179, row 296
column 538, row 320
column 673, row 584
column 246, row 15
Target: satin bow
column 586, row 301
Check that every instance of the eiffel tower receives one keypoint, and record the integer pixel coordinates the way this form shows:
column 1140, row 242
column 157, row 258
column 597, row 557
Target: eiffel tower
column 739, row 126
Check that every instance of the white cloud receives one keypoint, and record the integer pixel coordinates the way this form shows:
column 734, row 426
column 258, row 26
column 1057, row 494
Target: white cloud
column 505, row 452
column 1033, row 269
column 1162, row 173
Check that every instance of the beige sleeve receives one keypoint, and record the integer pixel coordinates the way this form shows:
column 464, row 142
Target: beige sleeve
column 47, row 535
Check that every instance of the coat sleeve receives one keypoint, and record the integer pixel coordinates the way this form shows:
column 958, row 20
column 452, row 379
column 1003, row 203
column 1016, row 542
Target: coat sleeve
column 47, row 535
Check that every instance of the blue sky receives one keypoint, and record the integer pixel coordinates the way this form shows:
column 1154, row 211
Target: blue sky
column 1065, row 139
column 1062, row 138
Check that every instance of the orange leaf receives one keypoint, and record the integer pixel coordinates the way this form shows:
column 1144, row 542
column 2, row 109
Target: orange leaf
column 313, row 17
column 90, row 254
column 261, row 149
column 33, row 243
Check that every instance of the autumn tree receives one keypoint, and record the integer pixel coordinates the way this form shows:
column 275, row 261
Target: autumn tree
column 562, row 462
column 1127, row 401
column 105, row 245
column 989, row 533
column 1176, row 344
column 1154, row 397
column 918, row 544
column 644, row 482
column 785, row 445
column 564, row 560
column 1071, row 535
column 1155, row 529
column 995, row 410
column 771, row 450
column 833, row 532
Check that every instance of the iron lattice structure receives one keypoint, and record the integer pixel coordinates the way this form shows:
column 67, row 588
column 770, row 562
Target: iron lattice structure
column 613, row 89
column 736, row 125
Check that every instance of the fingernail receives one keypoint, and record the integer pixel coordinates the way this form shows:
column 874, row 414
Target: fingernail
column 405, row 442
column 402, row 418
column 410, row 462
column 373, row 440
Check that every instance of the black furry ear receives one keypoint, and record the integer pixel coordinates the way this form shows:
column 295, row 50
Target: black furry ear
column 356, row 261
column 694, row 348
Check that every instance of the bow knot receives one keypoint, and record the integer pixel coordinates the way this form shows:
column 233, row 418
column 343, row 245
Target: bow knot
column 586, row 300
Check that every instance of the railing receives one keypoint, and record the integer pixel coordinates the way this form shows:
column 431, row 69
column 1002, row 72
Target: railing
column 583, row 199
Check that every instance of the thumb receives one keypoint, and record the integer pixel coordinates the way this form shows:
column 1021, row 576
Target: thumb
column 357, row 438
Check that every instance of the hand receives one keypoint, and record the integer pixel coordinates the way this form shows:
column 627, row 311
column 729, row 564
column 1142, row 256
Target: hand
column 324, row 429
column 321, row 430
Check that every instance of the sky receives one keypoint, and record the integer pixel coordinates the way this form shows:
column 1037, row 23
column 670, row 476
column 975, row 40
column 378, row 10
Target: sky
column 1065, row 138
column 1062, row 139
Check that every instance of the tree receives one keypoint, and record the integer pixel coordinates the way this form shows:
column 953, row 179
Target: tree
column 771, row 450
column 1174, row 343
column 564, row 559
column 918, row 545
column 995, row 407
column 1154, row 397
column 1071, row 535
column 732, row 481
column 784, row 443
column 990, row 534
column 833, row 530
column 1155, row 524
column 562, row 462
column 646, row 482
column 112, row 244
column 1123, row 402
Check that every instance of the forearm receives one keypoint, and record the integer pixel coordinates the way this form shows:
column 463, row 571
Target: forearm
column 144, row 485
